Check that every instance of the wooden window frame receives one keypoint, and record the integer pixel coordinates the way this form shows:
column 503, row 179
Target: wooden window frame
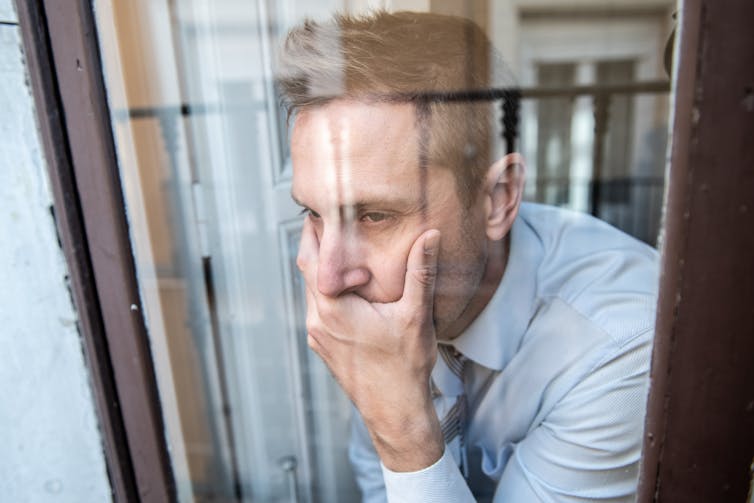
column 699, row 439
column 699, row 435
column 62, row 54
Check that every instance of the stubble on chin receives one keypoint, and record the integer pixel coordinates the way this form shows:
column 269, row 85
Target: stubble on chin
column 455, row 292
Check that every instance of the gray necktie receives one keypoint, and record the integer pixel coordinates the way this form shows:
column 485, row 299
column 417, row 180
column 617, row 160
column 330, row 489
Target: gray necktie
column 454, row 422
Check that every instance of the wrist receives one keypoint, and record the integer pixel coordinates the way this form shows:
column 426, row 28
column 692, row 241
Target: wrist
column 412, row 443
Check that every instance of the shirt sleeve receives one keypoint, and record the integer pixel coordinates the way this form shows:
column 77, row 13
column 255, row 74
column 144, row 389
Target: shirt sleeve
column 588, row 448
column 440, row 483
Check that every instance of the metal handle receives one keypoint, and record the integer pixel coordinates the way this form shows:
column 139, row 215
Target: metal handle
column 288, row 464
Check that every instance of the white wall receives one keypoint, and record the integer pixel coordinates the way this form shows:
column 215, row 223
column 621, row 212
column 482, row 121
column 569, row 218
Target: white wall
column 51, row 446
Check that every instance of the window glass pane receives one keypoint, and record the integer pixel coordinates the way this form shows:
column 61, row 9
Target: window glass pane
column 204, row 149
column 554, row 134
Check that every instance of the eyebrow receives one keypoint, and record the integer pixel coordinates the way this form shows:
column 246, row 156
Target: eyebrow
column 361, row 205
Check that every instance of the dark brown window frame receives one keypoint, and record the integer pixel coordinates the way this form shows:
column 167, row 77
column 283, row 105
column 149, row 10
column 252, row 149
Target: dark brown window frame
column 62, row 53
column 702, row 351
column 699, row 438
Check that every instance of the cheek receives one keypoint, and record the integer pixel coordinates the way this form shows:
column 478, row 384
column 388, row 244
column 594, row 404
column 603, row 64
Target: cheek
column 461, row 263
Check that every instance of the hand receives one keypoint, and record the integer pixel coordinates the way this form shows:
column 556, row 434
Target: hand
column 382, row 355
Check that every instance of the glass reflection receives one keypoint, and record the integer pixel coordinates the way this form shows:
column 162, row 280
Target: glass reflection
column 208, row 167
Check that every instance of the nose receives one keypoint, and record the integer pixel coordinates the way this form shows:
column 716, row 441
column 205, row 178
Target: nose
column 342, row 265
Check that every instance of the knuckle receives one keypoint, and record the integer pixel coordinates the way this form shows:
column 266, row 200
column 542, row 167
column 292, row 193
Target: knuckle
column 312, row 323
column 311, row 341
column 416, row 318
column 326, row 310
column 425, row 275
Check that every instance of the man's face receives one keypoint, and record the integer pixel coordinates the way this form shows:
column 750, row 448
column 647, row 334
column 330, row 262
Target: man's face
column 356, row 170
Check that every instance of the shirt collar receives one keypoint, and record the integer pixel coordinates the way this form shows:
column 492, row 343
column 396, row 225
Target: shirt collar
column 495, row 335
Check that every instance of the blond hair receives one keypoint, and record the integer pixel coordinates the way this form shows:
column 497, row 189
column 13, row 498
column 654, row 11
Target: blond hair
column 400, row 56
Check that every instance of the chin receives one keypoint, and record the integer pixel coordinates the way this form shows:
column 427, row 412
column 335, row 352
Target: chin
column 454, row 296
column 447, row 311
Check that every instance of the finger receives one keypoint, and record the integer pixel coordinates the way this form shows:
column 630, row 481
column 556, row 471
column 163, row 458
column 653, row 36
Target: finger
column 421, row 270
column 323, row 312
column 314, row 340
column 308, row 253
column 313, row 322
column 316, row 333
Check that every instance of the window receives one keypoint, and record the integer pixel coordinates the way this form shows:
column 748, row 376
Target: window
column 250, row 411
column 706, row 252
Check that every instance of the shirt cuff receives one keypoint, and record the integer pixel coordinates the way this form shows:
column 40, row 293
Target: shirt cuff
column 441, row 482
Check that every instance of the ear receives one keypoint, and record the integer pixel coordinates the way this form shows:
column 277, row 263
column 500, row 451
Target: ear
column 504, row 188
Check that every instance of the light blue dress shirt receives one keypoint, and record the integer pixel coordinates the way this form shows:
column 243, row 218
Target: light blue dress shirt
column 558, row 374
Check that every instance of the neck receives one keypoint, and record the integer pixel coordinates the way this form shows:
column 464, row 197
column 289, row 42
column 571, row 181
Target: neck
column 497, row 259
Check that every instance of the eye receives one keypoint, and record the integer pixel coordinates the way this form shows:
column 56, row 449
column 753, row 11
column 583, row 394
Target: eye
column 374, row 217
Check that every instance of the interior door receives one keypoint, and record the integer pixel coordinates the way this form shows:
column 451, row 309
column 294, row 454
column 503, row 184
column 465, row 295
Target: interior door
column 251, row 414
column 286, row 413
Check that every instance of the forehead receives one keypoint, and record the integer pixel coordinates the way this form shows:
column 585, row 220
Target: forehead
column 354, row 129
column 355, row 149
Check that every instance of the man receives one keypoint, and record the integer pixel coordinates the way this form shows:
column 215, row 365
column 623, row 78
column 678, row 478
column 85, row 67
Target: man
column 415, row 244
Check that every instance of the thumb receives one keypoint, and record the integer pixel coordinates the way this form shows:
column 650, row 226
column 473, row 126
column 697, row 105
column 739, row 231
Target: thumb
column 421, row 270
